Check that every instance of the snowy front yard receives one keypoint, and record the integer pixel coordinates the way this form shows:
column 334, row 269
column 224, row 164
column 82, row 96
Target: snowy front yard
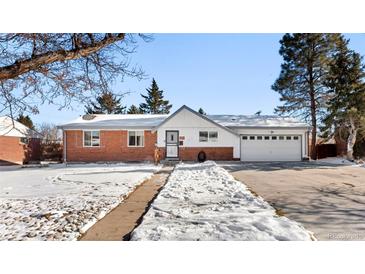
column 58, row 202
column 204, row 202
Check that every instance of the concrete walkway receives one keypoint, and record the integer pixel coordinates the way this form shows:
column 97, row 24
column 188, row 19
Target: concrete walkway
column 120, row 222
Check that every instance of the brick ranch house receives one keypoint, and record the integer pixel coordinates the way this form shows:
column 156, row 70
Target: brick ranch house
column 183, row 135
column 18, row 143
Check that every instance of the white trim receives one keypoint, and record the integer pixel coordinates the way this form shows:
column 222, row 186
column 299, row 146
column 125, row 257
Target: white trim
column 83, row 138
column 204, row 117
column 143, row 140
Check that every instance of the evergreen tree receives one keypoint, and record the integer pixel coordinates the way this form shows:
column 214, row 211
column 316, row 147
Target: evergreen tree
column 301, row 80
column 26, row 120
column 346, row 106
column 133, row 109
column 155, row 102
column 106, row 103
column 202, row 112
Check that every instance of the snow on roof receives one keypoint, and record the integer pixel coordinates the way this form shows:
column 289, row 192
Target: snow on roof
column 147, row 121
column 113, row 121
column 17, row 130
column 256, row 121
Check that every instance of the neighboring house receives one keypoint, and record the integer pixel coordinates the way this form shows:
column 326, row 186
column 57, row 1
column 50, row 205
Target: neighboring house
column 18, row 143
column 183, row 135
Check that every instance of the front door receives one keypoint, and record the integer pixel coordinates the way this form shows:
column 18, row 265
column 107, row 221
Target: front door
column 172, row 144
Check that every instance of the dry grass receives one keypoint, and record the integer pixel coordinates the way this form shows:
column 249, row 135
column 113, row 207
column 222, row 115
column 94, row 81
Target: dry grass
column 279, row 212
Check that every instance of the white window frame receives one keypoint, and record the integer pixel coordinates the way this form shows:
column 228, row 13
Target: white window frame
column 204, row 141
column 91, row 141
column 24, row 140
column 213, row 139
column 135, row 131
column 209, row 139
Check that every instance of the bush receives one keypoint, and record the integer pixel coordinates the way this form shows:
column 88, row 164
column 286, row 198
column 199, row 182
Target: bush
column 52, row 151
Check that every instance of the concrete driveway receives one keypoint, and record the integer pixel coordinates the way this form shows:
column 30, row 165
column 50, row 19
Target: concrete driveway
column 327, row 199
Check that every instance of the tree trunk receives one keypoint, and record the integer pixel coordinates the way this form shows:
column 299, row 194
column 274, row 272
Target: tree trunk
column 351, row 140
column 313, row 111
column 313, row 153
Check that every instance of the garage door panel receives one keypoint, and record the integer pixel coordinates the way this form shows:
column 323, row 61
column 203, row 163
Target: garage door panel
column 279, row 148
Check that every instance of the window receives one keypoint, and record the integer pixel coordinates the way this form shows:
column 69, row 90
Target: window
column 267, row 137
column 252, row 137
column 171, row 137
column 288, row 137
column 296, row 137
column 24, row 140
column 203, row 136
column 135, row 138
column 281, row 137
column 274, row 137
column 259, row 137
column 244, row 137
column 213, row 136
column 91, row 138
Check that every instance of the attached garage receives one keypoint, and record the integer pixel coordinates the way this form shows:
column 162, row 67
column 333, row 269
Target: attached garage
column 271, row 148
column 268, row 138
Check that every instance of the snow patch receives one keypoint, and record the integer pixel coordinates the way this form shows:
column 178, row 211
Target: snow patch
column 204, row 202
column 337, row 161
column 60, row 203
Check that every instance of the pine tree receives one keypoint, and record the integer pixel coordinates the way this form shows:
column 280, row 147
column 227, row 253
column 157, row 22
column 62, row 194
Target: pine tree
column 301, row 80
column 26, row 120
column 133, row 109
column 106, row 103
column 346, row 107
column 155, row 102
column 202, row 112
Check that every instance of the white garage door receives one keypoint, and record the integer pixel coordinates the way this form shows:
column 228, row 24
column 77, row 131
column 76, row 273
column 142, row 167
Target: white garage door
column 271, row 148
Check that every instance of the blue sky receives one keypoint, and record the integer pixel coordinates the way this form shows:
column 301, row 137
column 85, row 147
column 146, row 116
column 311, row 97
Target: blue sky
column 222, row 73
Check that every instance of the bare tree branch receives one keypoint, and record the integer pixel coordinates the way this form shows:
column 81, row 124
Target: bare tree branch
column 22, row 66
column 61, row 68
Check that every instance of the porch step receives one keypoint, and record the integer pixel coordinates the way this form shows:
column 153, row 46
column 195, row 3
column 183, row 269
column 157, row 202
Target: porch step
column 170, row 162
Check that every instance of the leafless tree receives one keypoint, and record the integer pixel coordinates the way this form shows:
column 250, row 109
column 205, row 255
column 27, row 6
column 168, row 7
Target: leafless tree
column 49, row 132
column 59, row 68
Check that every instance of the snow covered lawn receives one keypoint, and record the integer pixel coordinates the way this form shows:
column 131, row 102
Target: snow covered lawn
column 59, row 202
column 204, row 202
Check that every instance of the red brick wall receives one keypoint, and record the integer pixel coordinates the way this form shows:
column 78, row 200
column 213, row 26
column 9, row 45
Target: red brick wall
column 113, row 147
column 213, row 153
column 11, row 150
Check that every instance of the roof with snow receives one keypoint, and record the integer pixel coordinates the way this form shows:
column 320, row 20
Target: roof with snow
column 16, row 129
column 255, row 121
column 151, row 121
column 113, row 121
